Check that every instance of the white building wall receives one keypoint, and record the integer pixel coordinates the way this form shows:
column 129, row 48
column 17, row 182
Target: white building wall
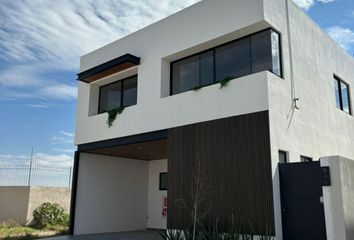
column 179, row 35
column 112, row 194
column 317, row 128
column 338, row 198
column 156, row 196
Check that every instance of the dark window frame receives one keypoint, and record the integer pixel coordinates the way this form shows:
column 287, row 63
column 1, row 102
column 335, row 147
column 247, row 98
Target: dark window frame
column 308, row 159
column 338, row 81
column 230, row 42
column 121, row 93
column 286, row 156
column 161, row 188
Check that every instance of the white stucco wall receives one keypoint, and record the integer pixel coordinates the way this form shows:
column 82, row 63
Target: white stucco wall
column 112, row 194
column 155, row 198
column 338, row 198
column 169, row 39
column 318, row 128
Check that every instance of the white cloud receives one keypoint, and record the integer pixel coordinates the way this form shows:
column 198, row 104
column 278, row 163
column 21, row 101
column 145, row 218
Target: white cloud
column 64, row 150
column 62, row 137
column 38, row 106
column 307, row 4
column 41, row 105
column 31, row 81
column 61, row 31
column 57, row 160
column 39, row 38
column 38, row 158
column 326, row 1
column 63, row 91
column 344, row 36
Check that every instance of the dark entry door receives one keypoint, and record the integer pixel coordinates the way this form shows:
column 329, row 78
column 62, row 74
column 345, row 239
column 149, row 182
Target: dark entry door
column 301, row 201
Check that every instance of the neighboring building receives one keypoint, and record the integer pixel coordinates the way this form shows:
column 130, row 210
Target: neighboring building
column 289, row 101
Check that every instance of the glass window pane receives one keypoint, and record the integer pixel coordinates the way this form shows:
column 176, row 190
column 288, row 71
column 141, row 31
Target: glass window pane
column 233, row 60
column 336, row 91
column 261, row 52
column 282, row 157
column 305, row 159
column 345, row 97
column 163, row 181
column 185, row 74
column 276, row 59
column 110, row 97
column 206, row 68
column 130, row 91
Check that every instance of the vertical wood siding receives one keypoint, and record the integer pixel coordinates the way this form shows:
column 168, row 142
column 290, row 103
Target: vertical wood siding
column 234, row 154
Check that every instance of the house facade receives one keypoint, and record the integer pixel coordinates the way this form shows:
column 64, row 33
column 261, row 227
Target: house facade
column 229, row 88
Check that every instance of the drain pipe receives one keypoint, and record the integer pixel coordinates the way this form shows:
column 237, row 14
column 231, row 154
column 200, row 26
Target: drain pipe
column 292, row 78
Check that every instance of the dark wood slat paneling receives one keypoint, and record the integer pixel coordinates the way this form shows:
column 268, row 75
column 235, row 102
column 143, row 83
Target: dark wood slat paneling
column 234, row 154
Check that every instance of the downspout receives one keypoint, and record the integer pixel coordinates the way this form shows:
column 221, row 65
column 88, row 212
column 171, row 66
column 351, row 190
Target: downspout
column 295, row 99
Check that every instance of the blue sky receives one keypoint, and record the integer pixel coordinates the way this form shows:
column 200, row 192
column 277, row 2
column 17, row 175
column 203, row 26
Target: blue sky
column 40, row 45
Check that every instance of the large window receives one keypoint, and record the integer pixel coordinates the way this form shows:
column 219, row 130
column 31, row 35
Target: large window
column 251, row 54
column 122, row 93
column 342, row 94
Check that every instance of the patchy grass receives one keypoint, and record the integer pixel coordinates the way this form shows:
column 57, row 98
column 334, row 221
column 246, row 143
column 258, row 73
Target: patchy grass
column 27, row 233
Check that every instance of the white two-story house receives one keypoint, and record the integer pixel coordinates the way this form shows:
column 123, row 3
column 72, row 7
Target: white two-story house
column 233, row 87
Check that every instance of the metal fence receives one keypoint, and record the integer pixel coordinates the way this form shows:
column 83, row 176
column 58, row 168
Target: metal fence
column 35, row 175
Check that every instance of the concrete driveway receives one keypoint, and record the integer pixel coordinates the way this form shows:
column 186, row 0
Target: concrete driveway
column 138, row 235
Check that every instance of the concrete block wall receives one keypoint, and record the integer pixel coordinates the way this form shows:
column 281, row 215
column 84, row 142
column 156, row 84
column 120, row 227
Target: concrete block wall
column 18, row 203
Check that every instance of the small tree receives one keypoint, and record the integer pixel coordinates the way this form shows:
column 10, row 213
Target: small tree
column 198, row 193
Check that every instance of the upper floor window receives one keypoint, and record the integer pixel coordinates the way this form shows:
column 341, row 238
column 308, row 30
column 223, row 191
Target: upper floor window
column 342, row 94
column 122, row 93
column 251, row 54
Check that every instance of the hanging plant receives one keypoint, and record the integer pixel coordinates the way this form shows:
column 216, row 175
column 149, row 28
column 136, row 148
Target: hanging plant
column 223, row 82
column 112, row 114
column 196, row 88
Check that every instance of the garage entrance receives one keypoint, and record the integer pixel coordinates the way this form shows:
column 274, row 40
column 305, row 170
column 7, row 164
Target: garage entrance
column 121, row 185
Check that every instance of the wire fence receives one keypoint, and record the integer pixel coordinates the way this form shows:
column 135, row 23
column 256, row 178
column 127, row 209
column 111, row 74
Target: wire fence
column 35, row 175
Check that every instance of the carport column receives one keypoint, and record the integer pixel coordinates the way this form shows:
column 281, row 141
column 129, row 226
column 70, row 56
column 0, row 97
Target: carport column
column 73, row 192
column 332, row 200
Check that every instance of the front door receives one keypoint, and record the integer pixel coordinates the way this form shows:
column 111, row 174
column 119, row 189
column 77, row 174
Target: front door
column 301, row 201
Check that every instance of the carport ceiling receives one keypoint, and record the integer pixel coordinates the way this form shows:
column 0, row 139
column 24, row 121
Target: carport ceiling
column 152, row 150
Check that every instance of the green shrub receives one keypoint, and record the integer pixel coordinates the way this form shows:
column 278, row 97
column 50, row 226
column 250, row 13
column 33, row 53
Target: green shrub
column 50, row 214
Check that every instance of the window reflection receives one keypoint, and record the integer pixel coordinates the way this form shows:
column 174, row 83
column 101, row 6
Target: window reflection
column 250, row 54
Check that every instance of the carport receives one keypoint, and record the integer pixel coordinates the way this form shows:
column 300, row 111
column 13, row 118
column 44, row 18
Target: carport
column 120, row 186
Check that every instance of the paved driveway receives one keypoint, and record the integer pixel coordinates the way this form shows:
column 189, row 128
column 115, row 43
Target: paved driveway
column 139, row 235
